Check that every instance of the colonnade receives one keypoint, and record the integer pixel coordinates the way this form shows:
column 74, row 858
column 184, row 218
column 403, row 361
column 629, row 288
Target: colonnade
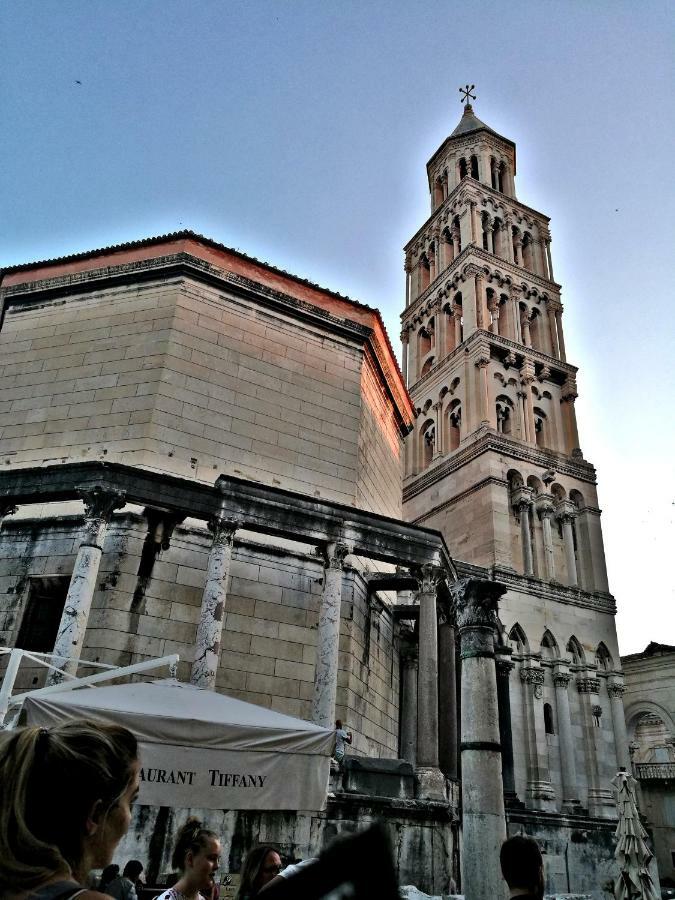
column 525, row 503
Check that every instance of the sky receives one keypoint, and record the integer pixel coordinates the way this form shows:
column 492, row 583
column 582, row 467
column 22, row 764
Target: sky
column 298, row 132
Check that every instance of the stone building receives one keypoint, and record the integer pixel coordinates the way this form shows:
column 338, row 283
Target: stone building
column 202, row 454
column 650, row 720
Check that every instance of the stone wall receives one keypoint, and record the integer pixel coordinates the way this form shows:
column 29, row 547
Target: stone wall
column 188, row 379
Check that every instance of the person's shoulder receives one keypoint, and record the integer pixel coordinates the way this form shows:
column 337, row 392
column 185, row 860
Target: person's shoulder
column 92, row 895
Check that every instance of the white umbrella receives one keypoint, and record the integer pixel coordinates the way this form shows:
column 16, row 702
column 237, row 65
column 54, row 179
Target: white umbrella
column 632, row 853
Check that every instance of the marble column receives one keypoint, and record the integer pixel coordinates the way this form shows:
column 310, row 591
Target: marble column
column 448, row 742
column 615, row 690
column 489, row 227
column 518, row 247
column 539, row 790
column 328, row 637
column 456, row 244
column 561, row 336
column 504, row 668
column 407, row 268
column 521, row 500
column 527, row 376
column 441, row 333
column 409, row 705
column 483, row 819
column 475, row 224
column 553, row 330
column 549, row 260
column 404, row 355
column 544, row 507
column 212, row 614
column 565, row 511
column 429, row 779
column 568, row 395
column 482, row 364
column 457, row 317
column 570, row 789
column 525, row 329
column 508, row 240
column 438, row 448
column 99, row 506
column 600, row 800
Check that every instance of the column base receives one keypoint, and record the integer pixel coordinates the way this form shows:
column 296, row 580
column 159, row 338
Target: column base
column 573, row 808
column 601, row 803
column 430, row 784
column 541, row 795
column 512, row 800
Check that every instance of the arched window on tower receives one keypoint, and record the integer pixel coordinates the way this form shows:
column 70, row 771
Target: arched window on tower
column 427, row 443
column 548, row 719
column 428, row 365
column 425, row 272
column 535, row 330
column 463, row 168
column 540, row 427
column 503, row 315
column 504, row 414
column 474, row 167
column 438, row 193
column 528, row 258
column 454, row 419
column 494, row 173
column 603, row 658
column 425, row 344
column 497, row 237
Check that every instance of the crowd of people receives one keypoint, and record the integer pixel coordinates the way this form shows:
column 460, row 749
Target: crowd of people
column 65, row 804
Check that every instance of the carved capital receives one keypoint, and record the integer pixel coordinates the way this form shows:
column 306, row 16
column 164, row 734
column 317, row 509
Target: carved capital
column 161, row 525
column 429, row 577
column 482, row 362
column 527, row 373
column 504, row 665
column 335, row 554
column 223, row 529
column 565, row 510
column 475, row 602
column 588, row 685
column 472, row 271
column 99, row 505
column 616, row 689
column 544, row 506
column 521, row 497
column 561, row 679
column 569, row 389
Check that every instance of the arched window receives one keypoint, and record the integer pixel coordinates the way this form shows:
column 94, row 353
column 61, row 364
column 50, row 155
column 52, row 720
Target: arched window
column 519, row 641
column 474, row 167
column 528, row 258
column 424, row 272
column 548, row 719
column 503, row 324
column 429, row 364
column 494, row 173
column 438, row 192
column 504, row 414
column 454, row 425
column 549, row 646
column 463, row 170
column 427, row 443
column 424, row 342
column 575, row 648
column 497, row 237
column 540, row 427
column 603, row 658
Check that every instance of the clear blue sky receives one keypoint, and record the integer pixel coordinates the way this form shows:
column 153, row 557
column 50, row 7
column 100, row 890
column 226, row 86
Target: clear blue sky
column 298, row 132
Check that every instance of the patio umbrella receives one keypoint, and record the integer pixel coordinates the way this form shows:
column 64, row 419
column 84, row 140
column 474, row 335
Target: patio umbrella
column 632, row 853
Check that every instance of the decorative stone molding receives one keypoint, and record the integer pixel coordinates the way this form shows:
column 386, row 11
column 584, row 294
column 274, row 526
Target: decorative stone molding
column 521, row 498
column 616, row 691
column 534, row 676
column 561, row 679
column 588, row 685
column 565, row 510
column 475, row 602
column 99, row 506
column 504, row 665
column 543, row 503
column 335, row 554
column 223, row 529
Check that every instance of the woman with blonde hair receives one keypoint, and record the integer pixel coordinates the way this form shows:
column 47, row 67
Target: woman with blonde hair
column 65, row 803
column 197, row 857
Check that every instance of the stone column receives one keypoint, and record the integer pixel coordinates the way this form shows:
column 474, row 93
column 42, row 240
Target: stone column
column 508, row 240
column 430, row 781
column 600, row 800
column 432, row 265
column 525, row 329
column 212, row 614
column 457, row 317
column 553, row 330
column 570, row 789
column 482, row 364
column 483, row 819
column 407, row 268
column 493, row 309
column 441, row 333
column 615, row 690
column 328, row 637
column 504, row 668
column 549, row 260
column 439, row 447
column 409, row 706
column 565, row 511
column 521, row 500
column 568, row 396
column 475, row 230
column 489, row 227
column 527, row 376
column 561, row 336
column 448, row 742
column 544, row 506
column 514, row 296
column 518, row 246
column 404, row 355
column 455, row 242
column 99, row 506
column 539, row 789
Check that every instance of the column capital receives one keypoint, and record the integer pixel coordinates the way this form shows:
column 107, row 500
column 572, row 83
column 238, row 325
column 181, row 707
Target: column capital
column 429, row 576
column 561, row 678
column 99, row 505
column 335, row 553
column 482, row 362
column 588, row 685
column 569, row 389
column 527, row 373
column 543, row 503
column 565, row 510
column 223, row 529
column 475, row 602
column 535, row 676
column 521, row 497
column 161, row 525
column 616, row 689
column 503, row 661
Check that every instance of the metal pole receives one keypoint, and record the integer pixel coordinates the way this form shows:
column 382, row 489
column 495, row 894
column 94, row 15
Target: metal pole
column 8, row 681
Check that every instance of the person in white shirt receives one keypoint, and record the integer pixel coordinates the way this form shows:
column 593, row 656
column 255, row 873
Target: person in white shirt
column 342, row 738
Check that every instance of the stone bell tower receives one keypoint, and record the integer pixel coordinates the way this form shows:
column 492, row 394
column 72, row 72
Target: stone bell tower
column 494, row 463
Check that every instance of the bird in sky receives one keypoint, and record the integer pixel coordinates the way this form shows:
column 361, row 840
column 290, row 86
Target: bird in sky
column 77, row 81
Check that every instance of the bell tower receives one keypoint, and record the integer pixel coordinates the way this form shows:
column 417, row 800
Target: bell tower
column 494, row 459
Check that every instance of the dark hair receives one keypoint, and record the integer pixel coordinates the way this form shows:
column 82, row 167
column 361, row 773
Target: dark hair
column 50, row 781
column 192, row 836
column 132, row 869
column 522, row 863
column 251, row 870
column 108, row 874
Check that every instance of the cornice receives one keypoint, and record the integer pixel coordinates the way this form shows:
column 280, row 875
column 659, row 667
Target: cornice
column 469, row 183
column 479, row 337
column 496, row 265
column 468, row 139
column 490, row 441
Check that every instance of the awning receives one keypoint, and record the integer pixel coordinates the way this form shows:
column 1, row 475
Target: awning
column 202, row 749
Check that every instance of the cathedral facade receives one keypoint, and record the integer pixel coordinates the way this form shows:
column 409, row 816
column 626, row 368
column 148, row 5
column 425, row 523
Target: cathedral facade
column 204, row 455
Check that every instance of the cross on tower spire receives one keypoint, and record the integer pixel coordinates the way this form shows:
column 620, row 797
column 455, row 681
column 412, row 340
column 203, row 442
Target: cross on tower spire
column 468, row 96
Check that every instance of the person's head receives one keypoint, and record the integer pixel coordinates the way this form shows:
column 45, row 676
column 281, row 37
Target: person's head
column 260, row 866
column 109, row 873
column 522, row 864
column 65, row 798
column 133, row 869
column 197, row 855
column 338, row 723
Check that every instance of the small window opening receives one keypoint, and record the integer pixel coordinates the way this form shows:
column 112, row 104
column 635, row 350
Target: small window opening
column 548, row 719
